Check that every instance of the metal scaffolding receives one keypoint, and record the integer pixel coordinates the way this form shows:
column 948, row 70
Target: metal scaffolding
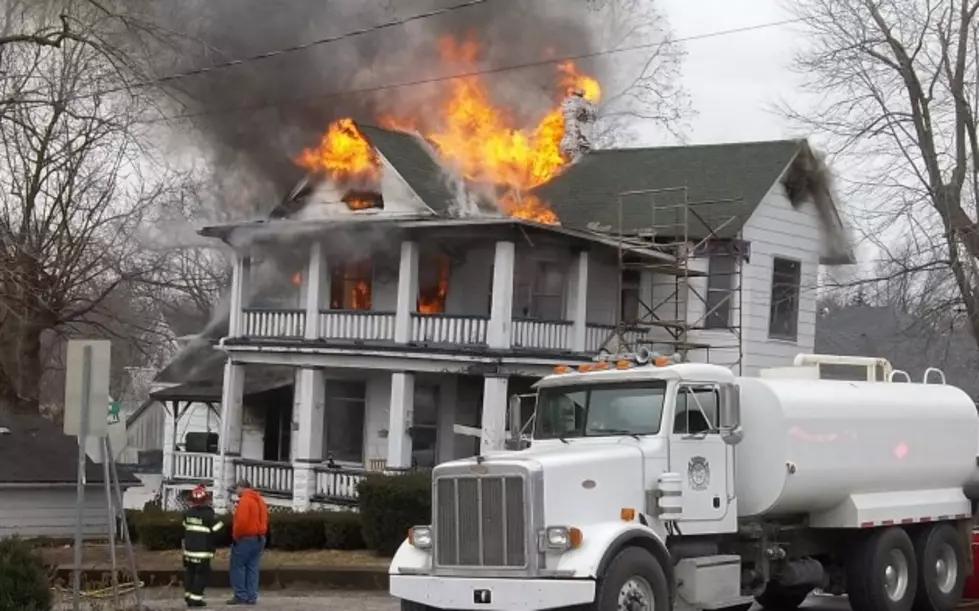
column 692, row 304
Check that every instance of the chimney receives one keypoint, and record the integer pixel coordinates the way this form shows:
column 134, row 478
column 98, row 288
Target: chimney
column 579, row 116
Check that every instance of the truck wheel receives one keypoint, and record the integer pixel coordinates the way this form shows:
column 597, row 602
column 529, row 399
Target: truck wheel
column 634, row 581
column 881, row 572
column 941, row 555
column 777, row 597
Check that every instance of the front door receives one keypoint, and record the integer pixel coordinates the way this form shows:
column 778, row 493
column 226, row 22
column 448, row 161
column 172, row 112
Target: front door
column 699, row 456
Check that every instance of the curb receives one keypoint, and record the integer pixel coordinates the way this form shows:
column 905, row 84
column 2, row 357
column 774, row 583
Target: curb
column 314, row 577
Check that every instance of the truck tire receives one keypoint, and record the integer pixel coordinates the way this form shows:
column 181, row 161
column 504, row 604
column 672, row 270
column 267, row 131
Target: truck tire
column 941, row 554
column 777, row 597
column 882, row 573
column 634, row 576
column 409, row 605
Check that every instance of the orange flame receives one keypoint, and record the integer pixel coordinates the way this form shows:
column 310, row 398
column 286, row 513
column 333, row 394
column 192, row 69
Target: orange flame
column 344, row 154
column 431, row 296
column 478, row 139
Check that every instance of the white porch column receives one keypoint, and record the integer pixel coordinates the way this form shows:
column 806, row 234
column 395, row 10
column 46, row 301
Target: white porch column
column 400, row 418
column 407, row 292
column 446, row 419
column 240, row 280
column 578, row 302
column 317, row 286
column 229, row 441
column 501, row 309
column 493, row 424
column 309, row 438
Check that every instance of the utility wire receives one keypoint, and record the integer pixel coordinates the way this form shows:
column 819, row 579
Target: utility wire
column 472, row 73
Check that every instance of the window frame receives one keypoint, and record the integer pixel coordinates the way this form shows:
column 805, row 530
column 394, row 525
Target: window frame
column 334, row 400
column 721, row 297
column 775, row 297
column 527, row 290
column 343, row 272
column 688, row 389
column 631, row 286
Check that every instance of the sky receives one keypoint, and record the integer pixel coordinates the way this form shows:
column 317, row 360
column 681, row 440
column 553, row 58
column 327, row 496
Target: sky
column 734, row 79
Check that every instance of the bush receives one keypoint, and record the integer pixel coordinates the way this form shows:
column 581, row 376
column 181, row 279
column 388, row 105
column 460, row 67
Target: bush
column 23, row 578
column 343, row 530
column 390, row 505
column 160, row 531
column 296, row 531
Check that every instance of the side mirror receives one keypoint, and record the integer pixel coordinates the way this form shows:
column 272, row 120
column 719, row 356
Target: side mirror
column 730, row 414
column 515, row 442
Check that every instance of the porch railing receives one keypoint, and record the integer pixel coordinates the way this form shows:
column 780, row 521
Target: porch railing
column 338, row 486
column 541, row 334
column 357, row 325
column 596, row 335
column 271, row 478
column 193, row 466
column 448, row 329
column 274, row 323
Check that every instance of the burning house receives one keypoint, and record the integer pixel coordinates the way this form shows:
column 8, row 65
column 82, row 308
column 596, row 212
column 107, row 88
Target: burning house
column 424, row 272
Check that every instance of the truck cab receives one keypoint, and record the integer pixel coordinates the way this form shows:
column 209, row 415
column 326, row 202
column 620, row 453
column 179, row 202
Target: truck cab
column 627, row 497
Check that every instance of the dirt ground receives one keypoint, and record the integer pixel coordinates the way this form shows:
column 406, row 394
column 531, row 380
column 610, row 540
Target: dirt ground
column 167, row 599
column 98, row 556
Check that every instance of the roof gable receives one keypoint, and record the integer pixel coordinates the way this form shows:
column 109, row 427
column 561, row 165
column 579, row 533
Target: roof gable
column 587, row 193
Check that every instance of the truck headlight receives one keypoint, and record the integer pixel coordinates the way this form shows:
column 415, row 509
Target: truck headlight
column 561, row 538
column 420, row 537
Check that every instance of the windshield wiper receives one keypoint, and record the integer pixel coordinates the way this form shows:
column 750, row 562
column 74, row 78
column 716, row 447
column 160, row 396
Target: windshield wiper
column 616, row 432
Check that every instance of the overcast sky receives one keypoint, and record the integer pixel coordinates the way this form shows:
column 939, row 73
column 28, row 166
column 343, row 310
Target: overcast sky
column 733, row 79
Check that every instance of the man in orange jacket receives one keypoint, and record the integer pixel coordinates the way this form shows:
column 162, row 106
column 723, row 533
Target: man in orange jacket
column 249, row 528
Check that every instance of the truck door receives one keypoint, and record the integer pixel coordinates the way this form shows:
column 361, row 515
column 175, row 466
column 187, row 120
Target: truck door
column 699, row 455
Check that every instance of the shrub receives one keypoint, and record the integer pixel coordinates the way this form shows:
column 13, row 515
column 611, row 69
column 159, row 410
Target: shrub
column 296, row 531
column 160, row 531
column 390, row 505
column 343, row 530
column 23, row 578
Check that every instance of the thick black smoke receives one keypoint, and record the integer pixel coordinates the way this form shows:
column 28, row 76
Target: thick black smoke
column 256, row 145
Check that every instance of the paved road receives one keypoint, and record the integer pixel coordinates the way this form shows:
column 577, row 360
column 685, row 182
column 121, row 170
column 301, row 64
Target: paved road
column 170, row 599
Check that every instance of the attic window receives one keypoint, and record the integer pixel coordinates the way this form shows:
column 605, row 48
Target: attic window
column 363, row 200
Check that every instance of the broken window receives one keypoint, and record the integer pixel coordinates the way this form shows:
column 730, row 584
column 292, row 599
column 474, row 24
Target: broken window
column 433, row 283
column 783, row 320
column 350, row 285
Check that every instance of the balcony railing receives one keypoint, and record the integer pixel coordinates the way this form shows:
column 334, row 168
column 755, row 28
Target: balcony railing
column 357, row 325
column 193, row 467
column 338, row 486
column 541, row 335
column 271, row 478
column 597, row 335
column 275, row 323
column 449, row 329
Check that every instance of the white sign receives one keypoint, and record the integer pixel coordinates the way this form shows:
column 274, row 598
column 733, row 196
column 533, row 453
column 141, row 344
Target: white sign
column 97, row 384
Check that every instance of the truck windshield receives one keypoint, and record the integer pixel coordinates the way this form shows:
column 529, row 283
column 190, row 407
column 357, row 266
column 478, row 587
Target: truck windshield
column 600, row 410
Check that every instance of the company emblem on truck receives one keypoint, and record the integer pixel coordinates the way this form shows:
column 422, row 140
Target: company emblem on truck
column 698, row 473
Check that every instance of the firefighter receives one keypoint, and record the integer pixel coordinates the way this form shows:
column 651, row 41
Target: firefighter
column 200, row 526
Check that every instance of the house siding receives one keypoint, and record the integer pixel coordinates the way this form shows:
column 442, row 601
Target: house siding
column 50, row 512
column 776, row 229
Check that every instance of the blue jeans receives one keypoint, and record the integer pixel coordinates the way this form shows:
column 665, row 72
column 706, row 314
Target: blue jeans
column 245, row 556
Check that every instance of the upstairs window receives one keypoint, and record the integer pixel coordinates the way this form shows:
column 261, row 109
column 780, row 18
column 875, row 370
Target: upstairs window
column 630, row 296
column 721, row 270
column 783, row 322
column 350, row 285
column 539, row 291
column 433, row 283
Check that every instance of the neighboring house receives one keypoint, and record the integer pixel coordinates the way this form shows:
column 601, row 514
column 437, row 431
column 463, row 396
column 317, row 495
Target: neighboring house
column 38, row 482
column 388, row 331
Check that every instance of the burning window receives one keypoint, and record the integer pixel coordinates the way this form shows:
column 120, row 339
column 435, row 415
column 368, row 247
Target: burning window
column 350, row 285
column 363, row 200
column 433, row 283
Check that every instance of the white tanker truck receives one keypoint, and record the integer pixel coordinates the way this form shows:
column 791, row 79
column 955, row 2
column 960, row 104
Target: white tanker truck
column 653, row 485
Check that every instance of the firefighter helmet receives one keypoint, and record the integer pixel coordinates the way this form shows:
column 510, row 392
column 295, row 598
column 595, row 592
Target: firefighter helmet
column 198, row 494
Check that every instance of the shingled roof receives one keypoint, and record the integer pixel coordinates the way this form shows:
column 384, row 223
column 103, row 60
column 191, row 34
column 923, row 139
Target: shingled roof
column 34, row 450
column 587, row 193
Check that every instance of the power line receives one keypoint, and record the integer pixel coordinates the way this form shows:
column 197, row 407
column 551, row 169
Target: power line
column 472, row 73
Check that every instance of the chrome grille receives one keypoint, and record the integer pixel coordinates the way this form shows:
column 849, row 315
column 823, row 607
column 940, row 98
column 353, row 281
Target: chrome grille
column 480, row 521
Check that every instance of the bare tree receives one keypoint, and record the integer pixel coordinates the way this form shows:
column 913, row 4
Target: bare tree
column 897, row 91
column 78, row 187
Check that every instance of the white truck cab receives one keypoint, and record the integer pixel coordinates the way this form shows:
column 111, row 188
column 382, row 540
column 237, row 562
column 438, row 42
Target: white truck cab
column 650, row 484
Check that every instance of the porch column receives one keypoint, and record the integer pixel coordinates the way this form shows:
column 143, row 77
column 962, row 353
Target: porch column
column 240, row 280
column 493, row 434
column 309, row 437
column 232, row 420
column 317, row 286
column 447, row 417
column 407, row 292
column 501, row 309
column 578, row 302
column 400, row 417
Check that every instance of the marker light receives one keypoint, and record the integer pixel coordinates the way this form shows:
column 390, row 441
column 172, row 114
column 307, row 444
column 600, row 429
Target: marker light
column 561, row 538
column 561, row 369
column 623, row 365
column 627, row 514
column 662, row 361
column 420, row 537
column 585, row 367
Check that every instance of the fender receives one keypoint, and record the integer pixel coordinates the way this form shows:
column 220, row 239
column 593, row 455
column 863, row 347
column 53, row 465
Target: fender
column 646, row 539
column 410, row 559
